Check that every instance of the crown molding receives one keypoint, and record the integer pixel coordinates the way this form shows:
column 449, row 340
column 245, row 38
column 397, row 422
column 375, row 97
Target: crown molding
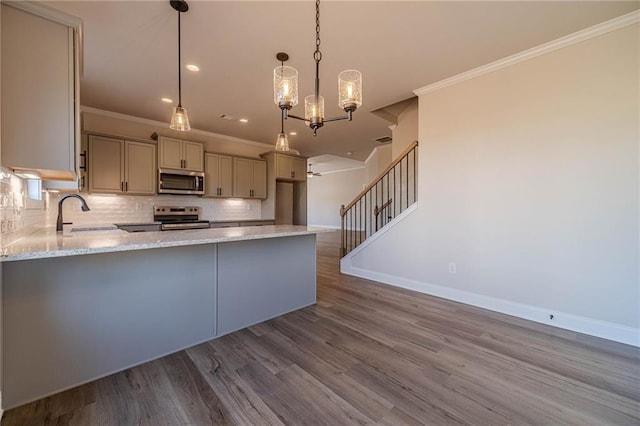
column 44, row 11
column 149, row 122
column 571, row 39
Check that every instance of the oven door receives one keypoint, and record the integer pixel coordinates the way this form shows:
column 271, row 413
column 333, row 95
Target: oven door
column 180, row 182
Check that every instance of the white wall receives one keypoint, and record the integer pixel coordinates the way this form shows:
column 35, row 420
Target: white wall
column 406, row 130
column 326, row 193
column 377, row 161
column 529, row 182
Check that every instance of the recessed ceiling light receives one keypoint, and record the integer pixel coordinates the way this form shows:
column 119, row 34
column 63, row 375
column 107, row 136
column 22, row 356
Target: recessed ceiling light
column 243, row 120
column 192, row 67
column 167, row 100
column 349, row 153
column 293, row 133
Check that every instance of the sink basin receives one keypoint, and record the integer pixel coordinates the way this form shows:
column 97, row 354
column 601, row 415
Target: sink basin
column 95, row 228
column 138, row 227
column 100, row 231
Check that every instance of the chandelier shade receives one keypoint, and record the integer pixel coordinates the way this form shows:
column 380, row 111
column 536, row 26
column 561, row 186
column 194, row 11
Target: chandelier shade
column 350, row 90
column 285, row 86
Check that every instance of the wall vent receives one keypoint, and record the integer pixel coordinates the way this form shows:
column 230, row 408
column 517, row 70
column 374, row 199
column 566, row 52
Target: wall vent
column 383, row 139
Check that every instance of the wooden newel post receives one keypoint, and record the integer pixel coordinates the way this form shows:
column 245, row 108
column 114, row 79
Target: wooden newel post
column 342, row 247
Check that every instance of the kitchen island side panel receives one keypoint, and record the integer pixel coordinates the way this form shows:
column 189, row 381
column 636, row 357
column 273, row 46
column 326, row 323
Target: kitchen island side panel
column 73, row 319
column 259, row 280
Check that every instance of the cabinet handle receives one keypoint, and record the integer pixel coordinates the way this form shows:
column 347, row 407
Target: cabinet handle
column 126, row 187
column 83, row 164
column 122, row 186
column 82, row 182
column 182, row 164
column 219, row 191
column 293, row 174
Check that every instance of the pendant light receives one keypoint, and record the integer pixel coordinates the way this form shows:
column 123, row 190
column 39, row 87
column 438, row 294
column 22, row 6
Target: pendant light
column 179, row 119
column 282, row 143
column 285, row 90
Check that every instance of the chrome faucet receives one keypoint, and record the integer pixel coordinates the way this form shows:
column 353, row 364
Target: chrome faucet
column 85, row 208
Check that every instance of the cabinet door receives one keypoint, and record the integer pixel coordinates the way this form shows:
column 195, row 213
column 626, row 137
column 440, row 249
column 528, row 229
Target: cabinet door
column 211, row 175
column 218, row 175
column 226, row 176
column 38, row 98
column 284, row 167
column 299, row 169
column 140, row 168
column 259, row 179
column 170, row 153
column 193, row 155
column 242, row 177
column 106, row 165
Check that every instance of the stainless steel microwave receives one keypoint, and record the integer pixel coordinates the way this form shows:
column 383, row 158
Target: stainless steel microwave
column 184, row 182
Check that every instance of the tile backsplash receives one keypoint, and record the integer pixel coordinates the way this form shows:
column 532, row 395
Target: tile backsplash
column 109, row 209
column 17, row 215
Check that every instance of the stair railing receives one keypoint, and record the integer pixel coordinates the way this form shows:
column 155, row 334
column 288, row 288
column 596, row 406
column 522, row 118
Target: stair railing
column 392, row 192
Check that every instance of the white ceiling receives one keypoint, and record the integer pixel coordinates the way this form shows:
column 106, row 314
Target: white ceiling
column 327, row 163
column 130, row 56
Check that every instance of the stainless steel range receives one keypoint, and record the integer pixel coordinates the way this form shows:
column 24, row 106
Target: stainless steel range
column 178, row 217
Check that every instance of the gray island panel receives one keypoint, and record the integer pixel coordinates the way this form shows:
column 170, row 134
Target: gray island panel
column 262, row 279
column 70, row 320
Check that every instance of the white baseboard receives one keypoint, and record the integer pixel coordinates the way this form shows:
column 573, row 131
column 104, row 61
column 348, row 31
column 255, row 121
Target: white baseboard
column 593, row 327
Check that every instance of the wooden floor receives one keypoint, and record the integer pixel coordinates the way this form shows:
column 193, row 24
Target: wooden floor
column 367, row 354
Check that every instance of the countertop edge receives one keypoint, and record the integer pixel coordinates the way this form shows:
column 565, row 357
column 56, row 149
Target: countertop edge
column 133, row 246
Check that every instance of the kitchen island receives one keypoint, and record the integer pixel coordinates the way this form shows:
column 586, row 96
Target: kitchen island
column 81, row 305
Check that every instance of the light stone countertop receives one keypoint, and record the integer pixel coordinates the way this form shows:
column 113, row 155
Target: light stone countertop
column 46, row 243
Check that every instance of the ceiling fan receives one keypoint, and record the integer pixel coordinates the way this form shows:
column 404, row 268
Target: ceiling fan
column 311, row 173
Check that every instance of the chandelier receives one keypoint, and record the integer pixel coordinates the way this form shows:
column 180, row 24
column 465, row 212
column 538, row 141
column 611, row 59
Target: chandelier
column 285, row 90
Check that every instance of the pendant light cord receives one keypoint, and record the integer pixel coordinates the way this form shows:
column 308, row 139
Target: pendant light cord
column 179, row 63
column 317, row 55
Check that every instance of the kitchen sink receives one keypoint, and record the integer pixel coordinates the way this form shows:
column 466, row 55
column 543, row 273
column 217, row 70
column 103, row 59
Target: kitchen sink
column 94, row 228
column 138, row 227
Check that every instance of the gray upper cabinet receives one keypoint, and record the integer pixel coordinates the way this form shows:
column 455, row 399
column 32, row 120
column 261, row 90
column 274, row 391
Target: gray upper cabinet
column 40, row 90
column 117, row 166
column 290, row 168
column 218, row 181
column 249, row 178
column 179, row 154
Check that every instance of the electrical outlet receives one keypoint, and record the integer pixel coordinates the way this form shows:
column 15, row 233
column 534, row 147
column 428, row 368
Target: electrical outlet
column 452, row 268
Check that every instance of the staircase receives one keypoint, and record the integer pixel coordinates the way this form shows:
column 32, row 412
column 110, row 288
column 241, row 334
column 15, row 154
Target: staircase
column 392, row 192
